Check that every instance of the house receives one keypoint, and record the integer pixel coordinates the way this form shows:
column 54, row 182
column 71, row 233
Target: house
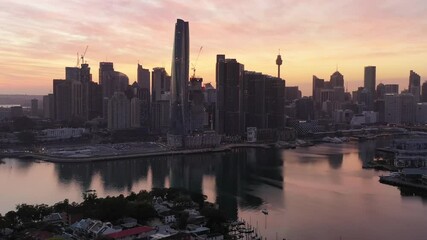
column 54, row 218
column 143, row 232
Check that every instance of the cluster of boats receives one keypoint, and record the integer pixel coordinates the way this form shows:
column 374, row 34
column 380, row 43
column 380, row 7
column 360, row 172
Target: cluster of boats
column 242, row 230
column 293, row 145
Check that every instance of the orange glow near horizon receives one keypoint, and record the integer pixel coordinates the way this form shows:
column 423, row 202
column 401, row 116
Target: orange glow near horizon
column 39, row 39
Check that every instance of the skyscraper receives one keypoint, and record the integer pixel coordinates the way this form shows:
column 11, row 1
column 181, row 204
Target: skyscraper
column 143, row 76
column 48, row 106
column 34, row 107
column 424, row 92
column 414, row 85
column 229, row 83
column 370, row 79
column 118, row 111
column 370, row 84
column 179, row 81
column 161, row 83
column 337, row 79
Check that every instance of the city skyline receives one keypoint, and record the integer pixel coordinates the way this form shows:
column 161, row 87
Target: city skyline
column 35, row 47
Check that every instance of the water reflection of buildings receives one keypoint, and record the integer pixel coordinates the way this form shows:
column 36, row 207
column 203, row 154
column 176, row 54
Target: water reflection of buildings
column 237, row 175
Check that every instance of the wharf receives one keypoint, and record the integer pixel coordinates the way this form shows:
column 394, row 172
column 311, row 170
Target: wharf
column 133, row 155
column 395, row 181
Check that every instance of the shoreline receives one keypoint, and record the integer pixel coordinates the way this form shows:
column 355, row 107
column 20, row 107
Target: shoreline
column 60, row 159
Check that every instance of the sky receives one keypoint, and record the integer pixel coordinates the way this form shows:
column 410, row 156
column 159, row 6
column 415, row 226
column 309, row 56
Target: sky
column 315, row 37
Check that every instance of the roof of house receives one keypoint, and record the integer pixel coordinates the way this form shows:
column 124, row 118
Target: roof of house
column 130, row 232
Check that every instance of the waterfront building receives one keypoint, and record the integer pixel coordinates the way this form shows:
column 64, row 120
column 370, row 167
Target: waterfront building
column 414, row 85
column 118, row 111
column 229, row 83
column 179, row 79
column 421, row 113
column 210, row 106
column 196, row 105
column 264, row 99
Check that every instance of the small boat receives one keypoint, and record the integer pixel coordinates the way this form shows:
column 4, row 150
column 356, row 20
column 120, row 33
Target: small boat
column 265, row 211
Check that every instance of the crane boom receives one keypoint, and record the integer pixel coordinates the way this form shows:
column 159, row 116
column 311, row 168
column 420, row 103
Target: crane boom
column 84, row 54
column 195, row 63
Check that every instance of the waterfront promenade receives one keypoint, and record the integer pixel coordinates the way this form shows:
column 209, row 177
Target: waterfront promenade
column 50, row 156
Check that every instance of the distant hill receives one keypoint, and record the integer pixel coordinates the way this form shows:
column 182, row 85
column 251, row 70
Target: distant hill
column 19, row 99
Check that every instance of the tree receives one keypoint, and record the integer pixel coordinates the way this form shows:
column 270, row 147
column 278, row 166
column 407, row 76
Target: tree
column 23, row 124
column 26, row 137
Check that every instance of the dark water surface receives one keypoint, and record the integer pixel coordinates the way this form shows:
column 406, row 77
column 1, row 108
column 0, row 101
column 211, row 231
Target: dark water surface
column 320, row 192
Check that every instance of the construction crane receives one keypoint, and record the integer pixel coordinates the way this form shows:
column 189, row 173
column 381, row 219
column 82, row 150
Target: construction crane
column 84, row 54
column 195, row 63
column 78, row 60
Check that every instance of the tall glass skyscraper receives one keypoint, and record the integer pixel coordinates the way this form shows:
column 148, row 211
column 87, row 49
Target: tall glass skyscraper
column 179, row 82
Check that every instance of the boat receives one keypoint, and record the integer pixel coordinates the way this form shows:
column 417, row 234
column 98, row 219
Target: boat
column 265, row 211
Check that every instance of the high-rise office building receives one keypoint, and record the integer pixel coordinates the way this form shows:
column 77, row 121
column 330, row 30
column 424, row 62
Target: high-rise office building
column 408, row 106
column 48, row 106
column 380, row 91
column 292, row 93
column 391, row 108
column 414, row 85
column 34, row 107
column 337, row 79
column 318, row 85
column 93, row 100
column 370, row 79
column 135, row 112
column 179, row 81
column 391, row 88
column 304, row 109
column 118, row 111
column 62, row 99
column 143, row 77
column 72, row 73
column 424, row 92
column 161, row 83
column 196, row 105
column 229, row 83
column 110, row 80
column 264, row 101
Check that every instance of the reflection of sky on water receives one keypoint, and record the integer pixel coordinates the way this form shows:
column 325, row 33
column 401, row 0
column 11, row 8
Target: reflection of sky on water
column 317, row 192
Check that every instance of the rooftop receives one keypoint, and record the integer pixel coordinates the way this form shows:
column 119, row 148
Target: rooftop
column 130, row 232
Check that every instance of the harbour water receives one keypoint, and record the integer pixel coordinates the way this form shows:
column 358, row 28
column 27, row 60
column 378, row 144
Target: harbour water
column 319, row 192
